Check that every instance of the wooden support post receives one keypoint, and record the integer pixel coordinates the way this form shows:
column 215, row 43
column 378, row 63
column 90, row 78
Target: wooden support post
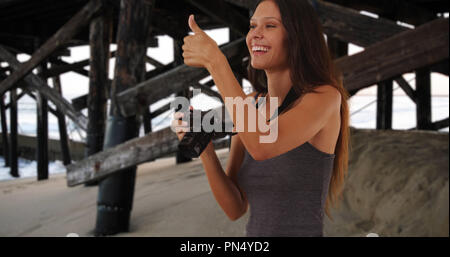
column 147, row 120
column 423, row 96
column 42, row 131
column 5, row 140
column 100, row 34
column 13, row 154
column 384, row 105
column 115, row 198
column 63, row 139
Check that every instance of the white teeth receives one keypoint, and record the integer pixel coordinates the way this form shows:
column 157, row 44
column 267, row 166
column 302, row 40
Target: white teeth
column 260, row 48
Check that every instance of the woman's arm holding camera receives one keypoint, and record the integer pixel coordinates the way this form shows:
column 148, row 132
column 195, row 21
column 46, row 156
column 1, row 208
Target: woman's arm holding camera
column 224, row 187
column 223, row 184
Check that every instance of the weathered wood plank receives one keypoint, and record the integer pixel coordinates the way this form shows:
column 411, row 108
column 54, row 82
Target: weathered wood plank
column 133, row 100
column 63, row 139
column 153, row 62
column 36, row 83
column 80, row 71
column 133, row 152
column 127, row 154
column 222, row 12
column 437, row 125
column 423, row 46
column 206, row 89
column 80, row 103
column 60, row 69
column 59, row 38
column 406, row 88
column 346, row 24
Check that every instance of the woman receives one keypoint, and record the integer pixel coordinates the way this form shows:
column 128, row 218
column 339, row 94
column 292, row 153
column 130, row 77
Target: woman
column 290, row 182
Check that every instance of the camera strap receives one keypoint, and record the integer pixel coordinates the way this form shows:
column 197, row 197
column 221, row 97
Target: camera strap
column 290, row 97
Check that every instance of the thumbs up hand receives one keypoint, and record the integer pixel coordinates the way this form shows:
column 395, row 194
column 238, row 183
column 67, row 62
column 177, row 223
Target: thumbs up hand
column 199, row 50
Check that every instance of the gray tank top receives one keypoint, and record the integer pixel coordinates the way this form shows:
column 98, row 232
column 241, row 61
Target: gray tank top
column 287, row 193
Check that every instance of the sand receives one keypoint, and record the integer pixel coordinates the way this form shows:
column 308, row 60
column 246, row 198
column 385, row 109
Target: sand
column 397, row 186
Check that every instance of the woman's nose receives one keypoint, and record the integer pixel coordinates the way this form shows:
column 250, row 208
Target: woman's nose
column 256, row 33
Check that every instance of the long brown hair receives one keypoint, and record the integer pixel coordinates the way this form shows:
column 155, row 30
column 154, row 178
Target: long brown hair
column 310, row 58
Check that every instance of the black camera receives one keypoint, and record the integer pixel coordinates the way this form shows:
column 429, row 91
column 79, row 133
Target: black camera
column 193, row 143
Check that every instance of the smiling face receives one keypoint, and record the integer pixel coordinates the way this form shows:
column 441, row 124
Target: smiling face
column 267, row 38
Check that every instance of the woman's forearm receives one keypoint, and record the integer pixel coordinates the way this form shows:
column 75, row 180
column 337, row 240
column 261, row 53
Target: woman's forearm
column 224, row 190
column 228, row 86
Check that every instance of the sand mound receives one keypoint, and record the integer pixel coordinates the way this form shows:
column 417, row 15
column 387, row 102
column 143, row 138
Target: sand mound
column 397, row 185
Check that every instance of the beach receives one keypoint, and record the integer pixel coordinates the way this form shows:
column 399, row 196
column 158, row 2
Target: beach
column 397, row 185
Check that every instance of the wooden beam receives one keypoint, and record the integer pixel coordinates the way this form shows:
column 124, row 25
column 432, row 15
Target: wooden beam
column 60, row 37
column 80, row 103
column 36, row 83
column 346, row 24
column 58, row 70
column 133, row 100
column 80, row 71
column 222, row 12
column 62, row 127
column 401, row 10
column 165, row 107
column 423, row 46
column 206, row 89
column 406, row 88
column 153, row 62
column 130, row 153
column 437, row 125
column 159, row 70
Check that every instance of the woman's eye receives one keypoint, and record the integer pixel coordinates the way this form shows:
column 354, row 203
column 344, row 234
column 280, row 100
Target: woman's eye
column 252, row 26
column 270, row 26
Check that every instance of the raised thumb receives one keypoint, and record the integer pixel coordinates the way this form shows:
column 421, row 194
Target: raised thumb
column 193, row 25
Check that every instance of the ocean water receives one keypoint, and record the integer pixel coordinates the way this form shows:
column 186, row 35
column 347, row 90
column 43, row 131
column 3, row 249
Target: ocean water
column 28, row 169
